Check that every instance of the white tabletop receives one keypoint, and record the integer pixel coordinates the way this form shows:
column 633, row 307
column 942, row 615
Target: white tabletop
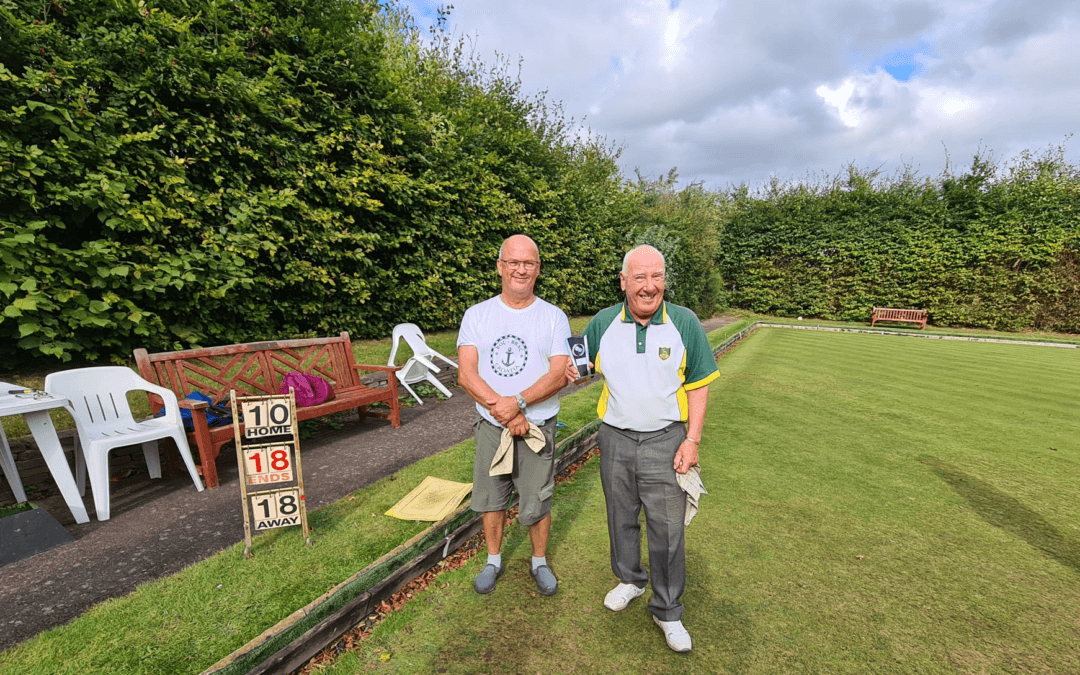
column 12, row 404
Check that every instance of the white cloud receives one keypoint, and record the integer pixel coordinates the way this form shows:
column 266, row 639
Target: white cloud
column 737, row 91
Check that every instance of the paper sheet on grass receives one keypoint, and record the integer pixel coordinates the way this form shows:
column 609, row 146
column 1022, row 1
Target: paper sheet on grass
column 433, row 499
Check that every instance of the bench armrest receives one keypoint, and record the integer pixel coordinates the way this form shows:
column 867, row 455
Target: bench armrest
column 384, row 369
column 192, row 405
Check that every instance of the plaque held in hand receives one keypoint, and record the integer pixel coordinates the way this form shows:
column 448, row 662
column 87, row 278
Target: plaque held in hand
column 579, row 354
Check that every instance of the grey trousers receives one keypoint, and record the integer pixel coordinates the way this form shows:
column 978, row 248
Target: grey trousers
column 636, row 470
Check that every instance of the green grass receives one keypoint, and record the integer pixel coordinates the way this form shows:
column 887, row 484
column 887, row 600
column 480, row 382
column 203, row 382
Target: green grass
column 187, row 622
column 876, row 505
column 6, row 511
column 949, row 467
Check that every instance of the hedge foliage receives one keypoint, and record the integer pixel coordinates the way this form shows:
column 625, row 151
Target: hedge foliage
column 182, row 173
column 685, row 225
column 177, row 173
column 994, row 246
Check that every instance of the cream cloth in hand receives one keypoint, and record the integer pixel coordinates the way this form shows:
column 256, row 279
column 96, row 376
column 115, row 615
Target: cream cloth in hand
column 691, row 484
column 503, row 462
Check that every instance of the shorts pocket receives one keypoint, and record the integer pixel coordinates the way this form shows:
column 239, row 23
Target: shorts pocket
column 546, row 491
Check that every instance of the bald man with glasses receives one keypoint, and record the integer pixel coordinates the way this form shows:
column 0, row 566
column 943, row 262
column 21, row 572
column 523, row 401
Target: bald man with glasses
column 513, row 355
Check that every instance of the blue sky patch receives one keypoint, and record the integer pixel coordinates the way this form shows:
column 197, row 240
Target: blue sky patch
column 901, row 63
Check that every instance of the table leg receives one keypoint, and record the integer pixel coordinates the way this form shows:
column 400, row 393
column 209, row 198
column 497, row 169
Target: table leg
column 7, row 463
column 48, row 443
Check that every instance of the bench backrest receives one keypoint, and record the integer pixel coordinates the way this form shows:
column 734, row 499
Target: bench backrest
column 887, row 313
column 252, row 369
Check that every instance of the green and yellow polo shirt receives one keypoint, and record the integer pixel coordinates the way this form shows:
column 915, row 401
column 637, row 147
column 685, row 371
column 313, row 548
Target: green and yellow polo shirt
column 648, row 369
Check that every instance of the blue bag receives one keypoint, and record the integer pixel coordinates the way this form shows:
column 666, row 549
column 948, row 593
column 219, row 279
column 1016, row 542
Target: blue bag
column 216, row 415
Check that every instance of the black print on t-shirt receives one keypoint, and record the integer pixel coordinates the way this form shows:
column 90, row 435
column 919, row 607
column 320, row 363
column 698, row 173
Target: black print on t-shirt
column 509, row 356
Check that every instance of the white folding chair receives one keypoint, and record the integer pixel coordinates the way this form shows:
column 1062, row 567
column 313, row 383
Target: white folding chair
column 104, row 421
column 420, row 367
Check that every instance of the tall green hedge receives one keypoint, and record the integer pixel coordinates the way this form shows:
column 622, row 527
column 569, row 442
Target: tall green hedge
column 177, row 173
column 685, row 225
column 995, row 246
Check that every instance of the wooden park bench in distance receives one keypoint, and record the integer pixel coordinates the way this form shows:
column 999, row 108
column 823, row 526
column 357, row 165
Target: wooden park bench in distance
column 903, row 315
column 257, row 369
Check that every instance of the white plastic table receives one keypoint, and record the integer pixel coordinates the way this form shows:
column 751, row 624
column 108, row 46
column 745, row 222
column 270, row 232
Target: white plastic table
column 36, row 413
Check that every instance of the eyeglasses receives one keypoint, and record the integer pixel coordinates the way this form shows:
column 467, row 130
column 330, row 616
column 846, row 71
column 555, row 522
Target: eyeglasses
column 35, row 395
column 528, row 265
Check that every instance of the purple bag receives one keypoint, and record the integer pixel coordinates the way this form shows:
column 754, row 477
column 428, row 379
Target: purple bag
column 310, row 389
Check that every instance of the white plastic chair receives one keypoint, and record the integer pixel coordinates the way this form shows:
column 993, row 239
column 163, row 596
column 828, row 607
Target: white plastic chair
column 420, row 367
column 104, row 421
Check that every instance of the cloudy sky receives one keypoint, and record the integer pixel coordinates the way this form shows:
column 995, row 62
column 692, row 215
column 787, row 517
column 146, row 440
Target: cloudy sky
column 734, row 91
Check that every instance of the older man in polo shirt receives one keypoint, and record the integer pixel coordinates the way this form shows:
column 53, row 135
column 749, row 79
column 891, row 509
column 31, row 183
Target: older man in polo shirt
column 657, row 365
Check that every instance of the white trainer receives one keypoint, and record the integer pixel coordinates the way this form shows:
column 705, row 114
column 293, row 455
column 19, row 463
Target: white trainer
column 619, row 597
column 677, row 637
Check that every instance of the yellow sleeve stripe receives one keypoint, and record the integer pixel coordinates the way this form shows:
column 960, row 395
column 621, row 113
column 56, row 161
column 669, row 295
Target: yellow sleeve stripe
column 688, row 386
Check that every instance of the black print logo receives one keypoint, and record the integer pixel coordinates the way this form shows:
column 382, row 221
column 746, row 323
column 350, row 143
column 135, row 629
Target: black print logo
column 509, row 356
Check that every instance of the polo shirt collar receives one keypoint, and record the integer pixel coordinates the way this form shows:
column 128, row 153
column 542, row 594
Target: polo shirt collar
column 659, row 318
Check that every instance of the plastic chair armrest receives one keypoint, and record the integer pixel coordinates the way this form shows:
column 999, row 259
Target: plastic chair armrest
column 435, row 353
column 170, row 402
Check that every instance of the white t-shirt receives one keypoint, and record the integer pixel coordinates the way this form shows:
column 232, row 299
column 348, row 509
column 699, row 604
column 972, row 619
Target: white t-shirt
column 515, row 347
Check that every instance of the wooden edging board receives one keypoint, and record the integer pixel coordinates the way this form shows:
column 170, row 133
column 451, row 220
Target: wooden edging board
column 299, row 651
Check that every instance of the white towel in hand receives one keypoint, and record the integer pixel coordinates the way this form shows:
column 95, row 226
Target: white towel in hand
column 503, row 462
column 690, row 482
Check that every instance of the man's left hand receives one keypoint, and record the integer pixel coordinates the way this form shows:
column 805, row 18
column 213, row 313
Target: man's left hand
column 519, row 426
column 503, row 409
column 686, row 457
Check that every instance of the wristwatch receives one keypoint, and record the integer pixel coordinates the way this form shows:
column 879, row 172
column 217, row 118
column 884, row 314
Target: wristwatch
column 521, row 402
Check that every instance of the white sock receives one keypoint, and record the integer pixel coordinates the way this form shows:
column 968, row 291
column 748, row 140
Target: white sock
column 537, row 562
column 495, row 559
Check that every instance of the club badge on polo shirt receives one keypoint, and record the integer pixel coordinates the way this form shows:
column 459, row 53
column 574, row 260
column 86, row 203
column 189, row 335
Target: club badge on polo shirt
column 665, row 352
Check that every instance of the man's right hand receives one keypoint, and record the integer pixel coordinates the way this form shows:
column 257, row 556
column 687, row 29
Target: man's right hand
column 572, row 374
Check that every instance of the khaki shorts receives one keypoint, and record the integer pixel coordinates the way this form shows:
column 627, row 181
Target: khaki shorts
column 533, row 477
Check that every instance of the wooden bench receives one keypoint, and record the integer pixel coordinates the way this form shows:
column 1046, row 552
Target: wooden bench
column 905, row 315
column 257, row 369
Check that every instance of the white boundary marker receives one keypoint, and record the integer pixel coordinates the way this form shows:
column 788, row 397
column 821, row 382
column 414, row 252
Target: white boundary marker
column 925, row 336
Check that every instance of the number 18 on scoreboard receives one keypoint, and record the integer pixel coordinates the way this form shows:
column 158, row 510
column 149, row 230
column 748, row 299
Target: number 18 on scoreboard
column 268, row 454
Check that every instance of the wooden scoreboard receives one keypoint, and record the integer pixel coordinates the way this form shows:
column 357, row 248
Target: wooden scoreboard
column 268, row 455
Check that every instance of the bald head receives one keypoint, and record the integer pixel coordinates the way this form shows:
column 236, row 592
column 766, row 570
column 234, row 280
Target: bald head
column 643, row 254
column 516, row 242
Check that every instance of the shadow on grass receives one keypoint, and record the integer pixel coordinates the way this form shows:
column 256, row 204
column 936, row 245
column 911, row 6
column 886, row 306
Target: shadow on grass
column 1001, row 510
